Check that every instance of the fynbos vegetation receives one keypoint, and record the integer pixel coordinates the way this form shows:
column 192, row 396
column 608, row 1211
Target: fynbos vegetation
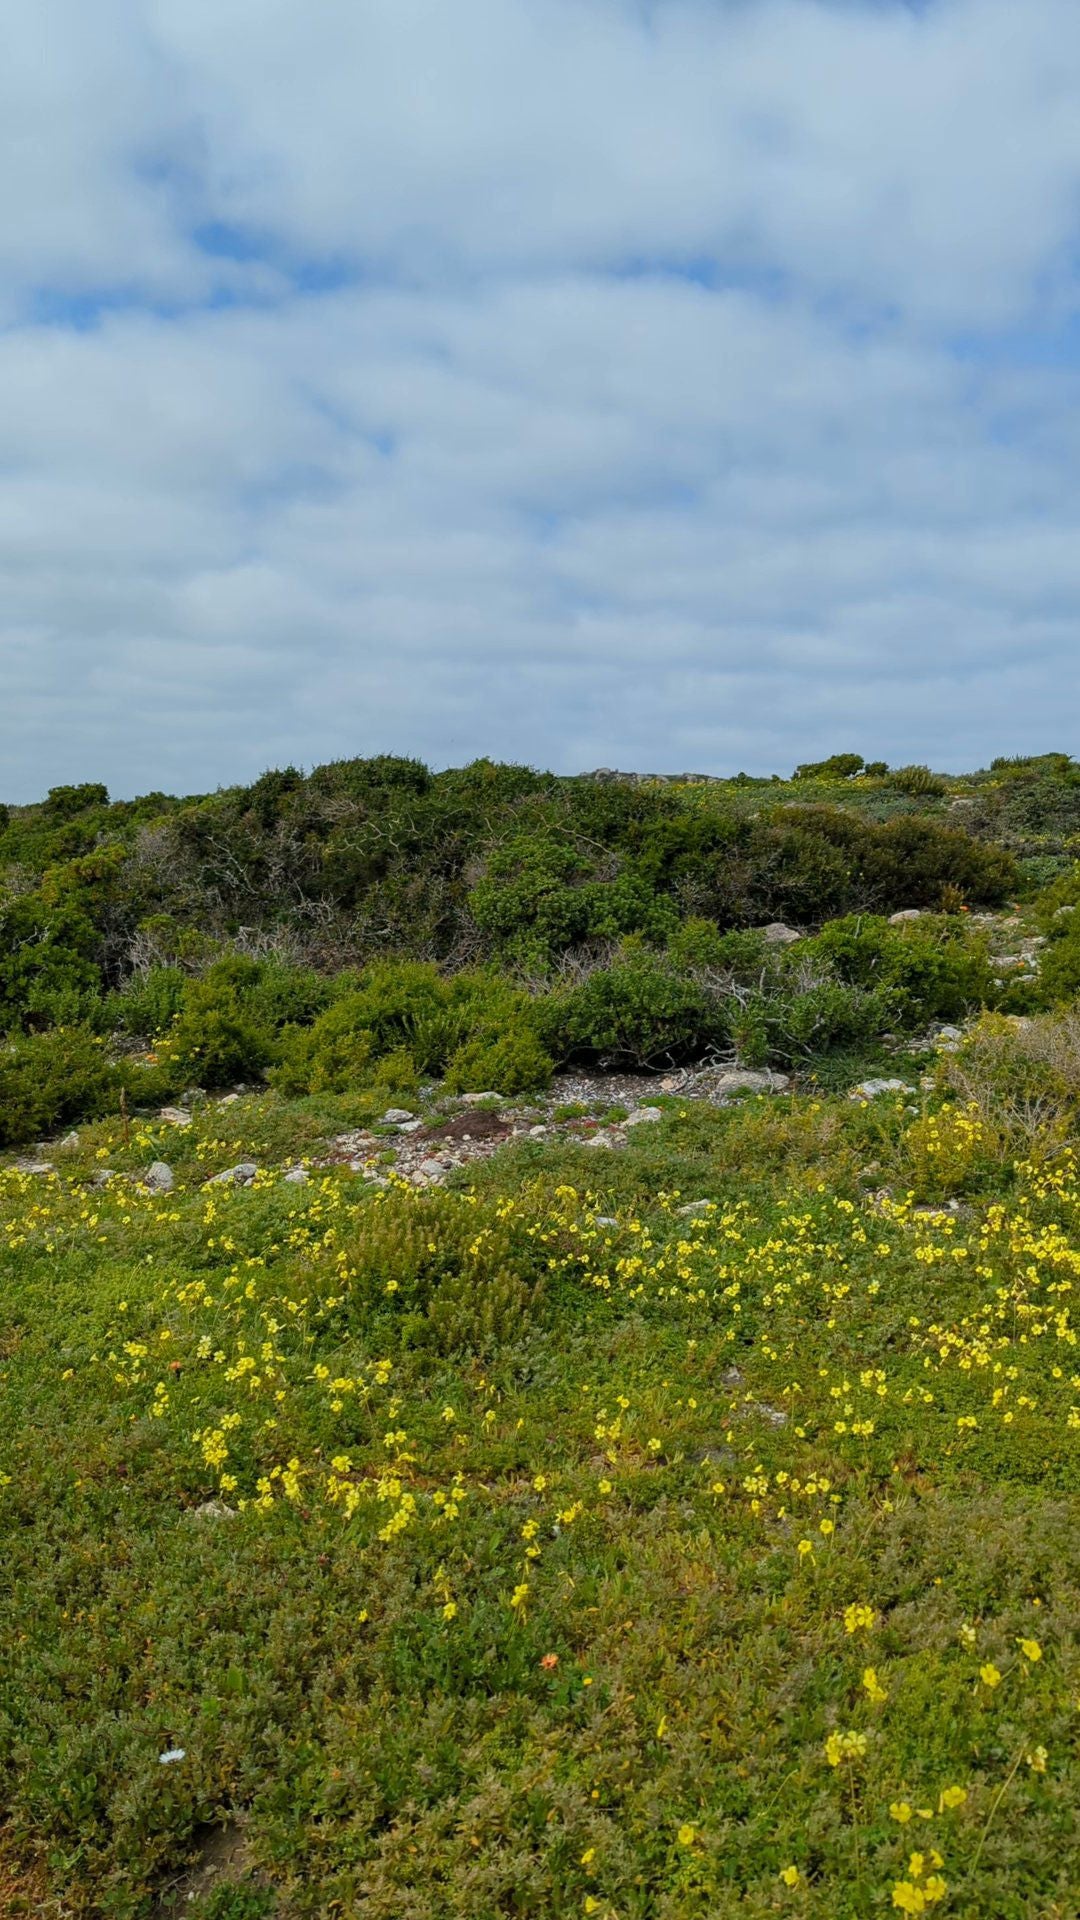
column 537, row 1361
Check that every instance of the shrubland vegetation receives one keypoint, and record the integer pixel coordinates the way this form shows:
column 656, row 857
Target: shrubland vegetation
column 681, row 1528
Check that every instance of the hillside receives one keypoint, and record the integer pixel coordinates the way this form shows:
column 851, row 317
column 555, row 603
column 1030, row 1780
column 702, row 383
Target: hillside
column 536, row 1345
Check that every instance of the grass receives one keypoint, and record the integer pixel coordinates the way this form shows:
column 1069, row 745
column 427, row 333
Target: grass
column 482, row 1559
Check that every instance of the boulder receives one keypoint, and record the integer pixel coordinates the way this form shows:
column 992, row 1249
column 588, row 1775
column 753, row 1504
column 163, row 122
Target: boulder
column 905, row 913
column 296, row 1177
column 641, row 1115
column 241, row 1175
column 777, row 935
column 175, row 1116
column 160, row 1178
column 395, row 1116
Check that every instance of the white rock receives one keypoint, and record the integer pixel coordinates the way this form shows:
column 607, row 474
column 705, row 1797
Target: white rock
column 777, row 935
column 394, row 1116
column 176, row 1116
column 869, row 1089
column 160, row 1178
column 745, row 1080
column 228, row 1100
column 641, row 1115
column 434, row 1169
column 296, row 1177
column 409, row 1126
column 477, row 1099
column 905, row 913
column 693, row 1207
column 241, row 1175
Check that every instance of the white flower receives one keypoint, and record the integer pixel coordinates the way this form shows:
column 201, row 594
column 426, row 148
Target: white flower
column 170, row 1757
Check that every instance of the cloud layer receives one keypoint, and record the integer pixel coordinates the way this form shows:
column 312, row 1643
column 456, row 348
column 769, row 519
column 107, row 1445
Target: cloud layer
column 688, row 384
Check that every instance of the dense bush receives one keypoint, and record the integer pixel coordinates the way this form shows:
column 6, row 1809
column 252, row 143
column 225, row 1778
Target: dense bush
column 640, row 1011
column 219, row 1034
column 927, row 969
column 48, row 1079
column 474, row 1027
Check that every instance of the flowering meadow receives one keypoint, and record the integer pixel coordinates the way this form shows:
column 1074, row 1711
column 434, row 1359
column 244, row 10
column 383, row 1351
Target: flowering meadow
column 682, row 1532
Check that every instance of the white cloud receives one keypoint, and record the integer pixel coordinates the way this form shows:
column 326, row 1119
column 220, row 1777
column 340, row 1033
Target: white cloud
column 679, row 400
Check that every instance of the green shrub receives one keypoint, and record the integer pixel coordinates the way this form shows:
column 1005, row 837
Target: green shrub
column 839, row 766
column 475, row 1027
column 48, row 1079
column 640, row 1011
column 512, row 1062
column 698, row 946
column 217, row 1036
column 830, row 1014
column 448, row 1277
column 46, row 949
column 923, row 970
column 333, row 1056
column 918, row 781
column 149, row 1002
column 1059, row 973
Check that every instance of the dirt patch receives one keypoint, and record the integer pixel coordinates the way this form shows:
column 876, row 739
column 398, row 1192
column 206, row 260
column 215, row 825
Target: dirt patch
column 23, row 1890
column 481, row 1124
column 219, row 1854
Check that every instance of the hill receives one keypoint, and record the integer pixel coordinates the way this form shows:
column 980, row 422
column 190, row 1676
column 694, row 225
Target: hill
column 536, row 1346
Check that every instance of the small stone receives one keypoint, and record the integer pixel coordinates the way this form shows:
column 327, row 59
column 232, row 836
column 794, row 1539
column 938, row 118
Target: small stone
column 905, row 913
column 101, row 1177
column 477, row 1099
column 777, row 935
column 949, row 1033
column 870, row 1089
column 213, row 1510
column 296, row 1177
column 160, row 1178
column 191, row 1096
column 433, row 1169
column 537, row 1133
column 606, row 1220
column 228, row 1100
column 409, row 1126
column 395, row 1116
column 642, row 1114
column 175, row 1116
column 33, row 1166
column 693, row 1207
column 241, row 1175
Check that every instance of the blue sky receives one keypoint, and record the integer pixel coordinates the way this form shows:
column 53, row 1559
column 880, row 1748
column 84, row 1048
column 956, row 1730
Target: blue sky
column 686, row 385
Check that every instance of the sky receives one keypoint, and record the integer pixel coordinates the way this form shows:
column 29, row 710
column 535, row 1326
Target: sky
column 671, row 385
